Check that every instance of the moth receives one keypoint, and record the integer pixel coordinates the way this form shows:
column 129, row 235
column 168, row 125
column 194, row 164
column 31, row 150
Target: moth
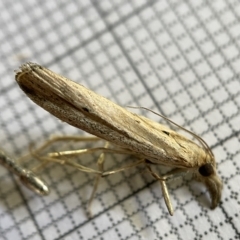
column 152, row 142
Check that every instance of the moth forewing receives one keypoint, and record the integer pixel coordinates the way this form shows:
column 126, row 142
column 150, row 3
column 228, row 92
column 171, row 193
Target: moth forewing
column 84, row 109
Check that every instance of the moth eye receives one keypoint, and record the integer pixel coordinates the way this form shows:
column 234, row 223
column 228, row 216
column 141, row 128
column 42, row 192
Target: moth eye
column 206, row 170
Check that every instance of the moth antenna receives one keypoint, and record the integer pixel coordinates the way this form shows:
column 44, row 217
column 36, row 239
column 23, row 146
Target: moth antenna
column 201, row 141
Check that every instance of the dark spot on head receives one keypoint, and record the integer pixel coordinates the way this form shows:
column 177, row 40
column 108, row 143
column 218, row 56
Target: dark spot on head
column 206, row 170
column 85, row 109
column 137, row 121
column 167, row 133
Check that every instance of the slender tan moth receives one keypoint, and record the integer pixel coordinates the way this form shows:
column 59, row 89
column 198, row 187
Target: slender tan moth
column 27, row 177
column 152, row 142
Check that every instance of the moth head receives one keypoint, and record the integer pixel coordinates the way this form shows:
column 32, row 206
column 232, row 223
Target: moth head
column 207, row 174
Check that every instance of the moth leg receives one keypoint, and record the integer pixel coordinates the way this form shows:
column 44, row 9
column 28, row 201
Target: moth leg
column 55, row 139
column 48, row 143
column 162, row 179
column 78, row 152
column 124, row 168
column 27, row 177
column 65, row 161
column 64, row 157
column 100, row 163
column 163, row 184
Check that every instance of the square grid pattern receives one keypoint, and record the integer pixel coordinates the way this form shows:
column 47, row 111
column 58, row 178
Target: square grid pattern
column 178, row 58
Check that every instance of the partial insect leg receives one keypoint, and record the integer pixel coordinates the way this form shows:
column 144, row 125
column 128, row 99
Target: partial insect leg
column 64, row 158
column 47, row 144
column 124, row 168
column 162, row 179
column 27, row 177
column 100, row 164
column 166, row 196
column 53, row 140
